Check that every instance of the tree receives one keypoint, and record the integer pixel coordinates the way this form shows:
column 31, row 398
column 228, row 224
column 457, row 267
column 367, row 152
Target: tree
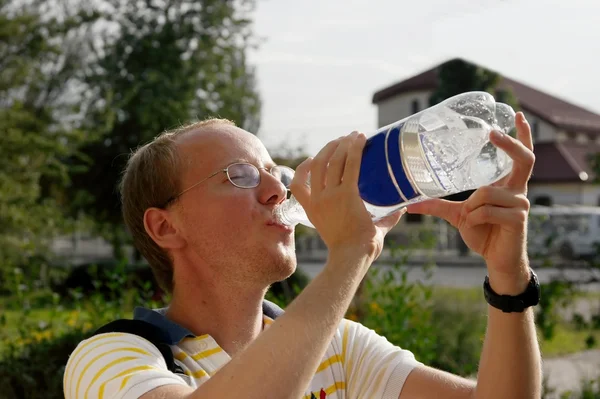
column 459, row 76
column 159, row 64
column 37, row 69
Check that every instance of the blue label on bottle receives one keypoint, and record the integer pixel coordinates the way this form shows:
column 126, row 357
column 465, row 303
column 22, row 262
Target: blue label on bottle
column 375, row 184
column 395, row 160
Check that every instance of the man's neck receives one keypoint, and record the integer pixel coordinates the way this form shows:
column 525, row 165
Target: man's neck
column 233, row 317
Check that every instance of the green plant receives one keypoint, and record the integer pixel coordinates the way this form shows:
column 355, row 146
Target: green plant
column 443, row 330
column 35, row 342
column 556, row 294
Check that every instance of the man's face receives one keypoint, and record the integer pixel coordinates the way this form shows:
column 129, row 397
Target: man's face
column 229, row 231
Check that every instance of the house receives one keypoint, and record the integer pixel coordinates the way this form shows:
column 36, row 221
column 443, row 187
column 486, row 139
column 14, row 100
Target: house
column 565, row 135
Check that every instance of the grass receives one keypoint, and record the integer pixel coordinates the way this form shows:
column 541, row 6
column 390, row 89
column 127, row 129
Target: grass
column 567, row 340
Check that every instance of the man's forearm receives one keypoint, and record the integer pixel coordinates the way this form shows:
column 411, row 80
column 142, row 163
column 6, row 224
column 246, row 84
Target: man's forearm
column 283, row 359
column 510, row 365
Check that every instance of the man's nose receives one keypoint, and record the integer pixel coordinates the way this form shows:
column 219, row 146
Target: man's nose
column 272, row 189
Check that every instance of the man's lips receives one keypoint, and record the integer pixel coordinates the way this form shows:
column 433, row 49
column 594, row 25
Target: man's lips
column 274, row 223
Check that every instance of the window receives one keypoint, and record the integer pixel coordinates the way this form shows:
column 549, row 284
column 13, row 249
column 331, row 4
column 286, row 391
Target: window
column 415, row 106
column 535, row 130
column 543, row 200
column 413, row 218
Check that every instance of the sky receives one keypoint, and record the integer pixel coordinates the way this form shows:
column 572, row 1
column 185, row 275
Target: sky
column 321, row 60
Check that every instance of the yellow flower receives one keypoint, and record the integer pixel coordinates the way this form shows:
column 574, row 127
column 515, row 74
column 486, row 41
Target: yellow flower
column 375, row 308
column 87, row 326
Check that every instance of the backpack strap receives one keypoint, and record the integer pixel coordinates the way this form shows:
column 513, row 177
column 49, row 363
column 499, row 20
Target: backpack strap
column 156, row 336
column 271, row 310
column 147, row 331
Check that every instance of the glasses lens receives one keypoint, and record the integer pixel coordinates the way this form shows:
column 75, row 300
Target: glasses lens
column 284, row 174
column 243, row 175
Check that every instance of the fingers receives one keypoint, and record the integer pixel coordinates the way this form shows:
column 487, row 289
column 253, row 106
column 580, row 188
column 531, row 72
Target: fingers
column 300, row 185
column 495, row 196
column 513, row 218
column 319, row 166
column 522, row 157
column 447, row 210
column 387, row 223
column 524, row 131
column 353, row 161
column 337, row 163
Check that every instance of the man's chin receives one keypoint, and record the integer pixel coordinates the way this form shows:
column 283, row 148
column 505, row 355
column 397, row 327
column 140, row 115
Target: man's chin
column 286, row 266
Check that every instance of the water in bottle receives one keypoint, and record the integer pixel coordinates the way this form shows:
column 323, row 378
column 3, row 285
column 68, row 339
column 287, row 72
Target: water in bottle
column 439, row 151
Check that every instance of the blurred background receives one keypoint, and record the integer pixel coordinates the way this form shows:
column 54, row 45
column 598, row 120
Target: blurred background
column 83, row 82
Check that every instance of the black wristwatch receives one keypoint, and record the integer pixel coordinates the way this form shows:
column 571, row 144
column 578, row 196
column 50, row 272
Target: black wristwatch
column 517, row 303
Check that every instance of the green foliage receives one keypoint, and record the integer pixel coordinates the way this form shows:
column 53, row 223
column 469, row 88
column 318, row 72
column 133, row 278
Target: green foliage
column 158, row 65
column 441, row 330
column 35, row 343
column 36, row 70
column 556, row 294
column 459, row 76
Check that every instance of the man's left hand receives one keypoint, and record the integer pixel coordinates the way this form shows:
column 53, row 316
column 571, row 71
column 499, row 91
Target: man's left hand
column 493, row 221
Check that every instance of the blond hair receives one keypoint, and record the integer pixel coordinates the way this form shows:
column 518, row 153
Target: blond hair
column 152, row 177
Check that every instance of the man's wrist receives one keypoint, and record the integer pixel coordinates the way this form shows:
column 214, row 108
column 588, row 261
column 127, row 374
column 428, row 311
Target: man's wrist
column 510, row 283
column 349, row 257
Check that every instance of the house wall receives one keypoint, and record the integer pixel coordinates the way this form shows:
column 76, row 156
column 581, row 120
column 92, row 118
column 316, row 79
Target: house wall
column 399, row 107
column 542, row 131
column 566, row 193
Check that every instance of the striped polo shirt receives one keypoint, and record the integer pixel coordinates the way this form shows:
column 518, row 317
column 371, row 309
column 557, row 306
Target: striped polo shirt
column 358, row 363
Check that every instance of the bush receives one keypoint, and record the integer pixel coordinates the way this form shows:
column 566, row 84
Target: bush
column 36, row 370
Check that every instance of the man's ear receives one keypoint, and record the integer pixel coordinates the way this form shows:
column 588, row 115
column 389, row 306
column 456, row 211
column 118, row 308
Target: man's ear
column 160, row 227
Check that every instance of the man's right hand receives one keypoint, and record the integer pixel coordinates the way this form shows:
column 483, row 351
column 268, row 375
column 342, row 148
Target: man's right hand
column 332, row 201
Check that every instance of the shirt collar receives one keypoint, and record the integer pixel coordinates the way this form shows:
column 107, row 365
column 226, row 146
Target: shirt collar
column 173, row 333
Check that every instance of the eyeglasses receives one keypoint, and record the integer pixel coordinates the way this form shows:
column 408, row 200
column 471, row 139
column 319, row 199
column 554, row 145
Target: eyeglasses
column 244, row 175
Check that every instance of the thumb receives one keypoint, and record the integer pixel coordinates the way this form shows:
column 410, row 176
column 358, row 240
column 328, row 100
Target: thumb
column 300, row 186
column 387, row 223
column 447, row 210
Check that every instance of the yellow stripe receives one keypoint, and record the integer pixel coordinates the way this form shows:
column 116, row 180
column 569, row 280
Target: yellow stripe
column 345, row 339
column 121, row 374
column 369, row 370
column 180, row 356
column 338, row 385
column 352, row 361
column 206, row 353
column 197, row 374
column 201, row 337
column 102, row 355
column 329, row 362
column 69, row 370
column 268, row 321
column 103, row 369
column 380, row 376
column 124, row 383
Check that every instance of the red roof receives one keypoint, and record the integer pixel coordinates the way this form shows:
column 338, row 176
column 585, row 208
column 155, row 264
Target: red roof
column 562, row 162
column 553, row 110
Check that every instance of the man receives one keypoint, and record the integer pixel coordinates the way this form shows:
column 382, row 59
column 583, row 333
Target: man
column 199, row 203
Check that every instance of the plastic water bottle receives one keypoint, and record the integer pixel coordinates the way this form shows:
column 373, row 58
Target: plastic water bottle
column 442, row 150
